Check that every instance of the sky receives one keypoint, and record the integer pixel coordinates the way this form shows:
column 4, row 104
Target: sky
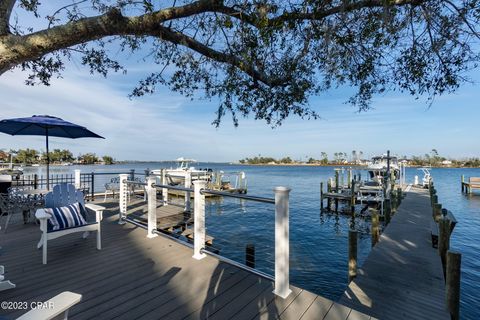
column 166, row 125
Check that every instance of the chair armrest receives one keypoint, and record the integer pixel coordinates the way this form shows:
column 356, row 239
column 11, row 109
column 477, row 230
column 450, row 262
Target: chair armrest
column 98, row 210
column 54, row 307
column 94, row 207
column 41, row 214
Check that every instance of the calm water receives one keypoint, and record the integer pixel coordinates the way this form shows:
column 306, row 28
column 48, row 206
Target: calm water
column 319, row 247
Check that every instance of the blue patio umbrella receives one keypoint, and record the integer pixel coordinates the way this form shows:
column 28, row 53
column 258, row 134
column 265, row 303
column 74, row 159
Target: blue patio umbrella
column 47, row 126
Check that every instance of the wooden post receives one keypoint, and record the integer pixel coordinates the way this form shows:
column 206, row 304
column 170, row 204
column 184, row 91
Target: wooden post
column 452, row 290
column 352, row 198
column 250, row 255
column 434, row 200
column 463, row 183
column 336, row 181
column 443, row 238
column 35, row 181
column 199, row 219
column 349, row 177
column 387, row 211
column 375, row 230
column 352, row 254
column 282, row 243
column 437, row 211
column 321, row 195
column 152, row 207
column 329, row 189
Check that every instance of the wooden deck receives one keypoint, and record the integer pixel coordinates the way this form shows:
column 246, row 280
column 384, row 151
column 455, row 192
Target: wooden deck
column 133, row 277
column 402, row 277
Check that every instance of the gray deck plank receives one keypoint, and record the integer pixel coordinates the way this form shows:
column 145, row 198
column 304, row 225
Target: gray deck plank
column 219, row 298
column 299, row 306
column 402, row 276
column 337, row 312
column 273, row 309
column 318, row 309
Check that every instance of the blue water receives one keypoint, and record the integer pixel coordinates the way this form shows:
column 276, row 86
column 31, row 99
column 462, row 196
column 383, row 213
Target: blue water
column 318, row 242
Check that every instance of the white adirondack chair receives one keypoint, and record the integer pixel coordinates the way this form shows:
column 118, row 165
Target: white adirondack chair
column 63, row 195
column 55, row 308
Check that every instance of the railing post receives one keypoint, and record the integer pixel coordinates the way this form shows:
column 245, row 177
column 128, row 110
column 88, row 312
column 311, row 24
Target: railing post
column 152, row 207
column 188, row 184
column 199, row 220
column 93, row 186
column 122, row 210
column 77, row 179
column 35, row 181
column 282, row 242
column 164, row 190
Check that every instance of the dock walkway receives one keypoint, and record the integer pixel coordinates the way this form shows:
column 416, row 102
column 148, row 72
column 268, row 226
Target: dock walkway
column 402, row 277
column 133, row 277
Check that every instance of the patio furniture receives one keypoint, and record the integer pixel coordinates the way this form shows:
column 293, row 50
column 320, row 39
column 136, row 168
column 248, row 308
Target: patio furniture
column 55, row 308
column 4, row 285
column 112, row 186
column 10, row 205
column 65, row 213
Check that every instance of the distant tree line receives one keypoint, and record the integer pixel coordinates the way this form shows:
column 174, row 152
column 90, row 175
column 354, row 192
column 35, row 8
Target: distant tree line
column 356, row 158
column 32, row 156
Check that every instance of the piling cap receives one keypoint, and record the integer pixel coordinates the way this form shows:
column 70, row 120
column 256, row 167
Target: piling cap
column 282, row 189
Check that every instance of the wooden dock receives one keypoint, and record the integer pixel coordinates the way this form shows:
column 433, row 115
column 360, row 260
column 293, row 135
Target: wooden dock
column 402, row 277
column 473, row 183
column 134, row 277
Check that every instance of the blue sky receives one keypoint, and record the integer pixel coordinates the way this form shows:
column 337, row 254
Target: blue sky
column 166, row 125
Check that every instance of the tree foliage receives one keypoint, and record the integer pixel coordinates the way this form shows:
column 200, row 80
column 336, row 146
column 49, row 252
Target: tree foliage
column 260, row 57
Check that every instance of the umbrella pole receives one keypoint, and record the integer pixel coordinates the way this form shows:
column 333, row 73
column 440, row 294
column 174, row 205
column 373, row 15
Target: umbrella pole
column 48, row 161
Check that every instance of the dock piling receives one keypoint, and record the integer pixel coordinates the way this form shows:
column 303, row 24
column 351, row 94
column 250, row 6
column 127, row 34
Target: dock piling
column 352, row 199
column 321, row 196
column 375, row 229
column 443, row 238
column 352, row 254
column 452, row 292
column 463, row 183
column 250, row 255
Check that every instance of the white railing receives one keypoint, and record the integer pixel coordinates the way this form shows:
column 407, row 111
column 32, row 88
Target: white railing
column 281, row 201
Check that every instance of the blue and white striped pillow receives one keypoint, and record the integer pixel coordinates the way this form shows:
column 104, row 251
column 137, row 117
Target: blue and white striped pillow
column 65, row 217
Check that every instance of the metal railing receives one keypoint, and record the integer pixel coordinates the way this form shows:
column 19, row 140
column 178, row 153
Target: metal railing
column 281, row 201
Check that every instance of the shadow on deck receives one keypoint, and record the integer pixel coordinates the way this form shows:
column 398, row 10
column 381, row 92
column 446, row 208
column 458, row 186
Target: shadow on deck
column 133, row 277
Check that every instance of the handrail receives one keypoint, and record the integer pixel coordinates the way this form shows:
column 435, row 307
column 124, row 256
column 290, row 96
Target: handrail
column 217, row 256
column 238, row 196
column 167, row 186
column 135, row 183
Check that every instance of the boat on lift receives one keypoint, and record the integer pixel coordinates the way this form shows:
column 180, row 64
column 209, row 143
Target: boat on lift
column 176, row 176
column 378, row 166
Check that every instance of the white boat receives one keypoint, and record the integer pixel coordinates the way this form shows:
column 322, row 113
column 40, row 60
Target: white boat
column 176, row 176
column 378, row 166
